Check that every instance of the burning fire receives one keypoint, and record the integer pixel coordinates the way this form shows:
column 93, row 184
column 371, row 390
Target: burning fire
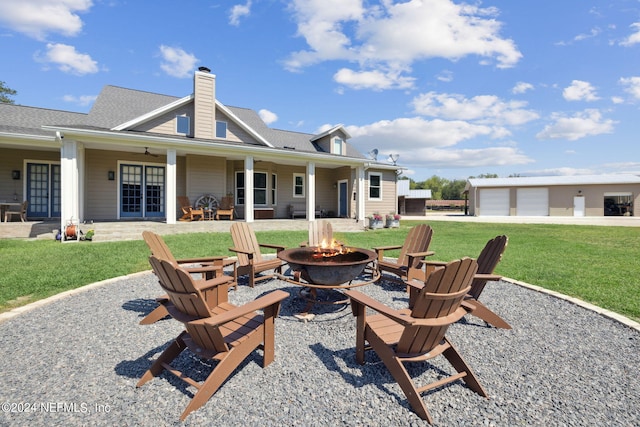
column 330, row 249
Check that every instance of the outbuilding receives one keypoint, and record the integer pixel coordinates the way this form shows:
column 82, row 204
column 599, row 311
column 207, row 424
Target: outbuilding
column 579, row 195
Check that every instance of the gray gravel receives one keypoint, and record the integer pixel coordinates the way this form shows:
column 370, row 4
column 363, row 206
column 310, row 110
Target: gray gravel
column 76, row 361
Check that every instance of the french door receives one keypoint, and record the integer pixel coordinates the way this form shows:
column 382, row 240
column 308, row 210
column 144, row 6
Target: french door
column 142, row 191
column 43, row 190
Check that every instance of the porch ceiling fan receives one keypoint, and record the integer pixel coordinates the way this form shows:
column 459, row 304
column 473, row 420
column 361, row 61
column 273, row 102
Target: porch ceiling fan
column 147, row 153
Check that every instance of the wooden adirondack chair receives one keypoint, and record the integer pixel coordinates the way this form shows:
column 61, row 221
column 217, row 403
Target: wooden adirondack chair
column 250, row 260
column 408, row 265
column 208, row 268
column 418, row 334
column 320, row 232
column 222, row 332
column 487, row 262
column 226, row 208
column 189, row 213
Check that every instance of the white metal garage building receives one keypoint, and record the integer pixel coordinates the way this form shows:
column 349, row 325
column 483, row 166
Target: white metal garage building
column 580, row 195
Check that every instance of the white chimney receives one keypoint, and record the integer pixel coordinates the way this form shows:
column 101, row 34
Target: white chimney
column 204, row 108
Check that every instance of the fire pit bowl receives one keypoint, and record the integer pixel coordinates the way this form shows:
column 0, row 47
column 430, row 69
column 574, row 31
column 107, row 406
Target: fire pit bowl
column 327, row 267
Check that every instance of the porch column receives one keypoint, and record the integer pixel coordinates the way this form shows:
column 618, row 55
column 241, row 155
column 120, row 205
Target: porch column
column 311, row 191
column 360, row 200
column 171, row 192
column 248, row 189
column 70, row 185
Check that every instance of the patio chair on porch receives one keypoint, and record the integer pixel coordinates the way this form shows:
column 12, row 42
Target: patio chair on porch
column 416, row 335
column 189, row 213
column 207, row 267
column 408, row 265
column 222, row 333
column 20, row 212
column 250, row 260
column 226, row 208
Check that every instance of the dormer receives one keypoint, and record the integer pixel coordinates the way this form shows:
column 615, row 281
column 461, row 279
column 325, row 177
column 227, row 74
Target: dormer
column 333, row 141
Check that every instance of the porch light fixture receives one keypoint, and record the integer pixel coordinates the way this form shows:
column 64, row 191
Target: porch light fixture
column 15, row 174
column 111, row 175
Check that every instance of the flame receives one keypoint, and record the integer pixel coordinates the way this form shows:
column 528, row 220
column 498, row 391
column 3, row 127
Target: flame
column 331, row 249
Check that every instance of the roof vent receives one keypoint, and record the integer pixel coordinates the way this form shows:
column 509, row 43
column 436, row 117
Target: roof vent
column 204, row 69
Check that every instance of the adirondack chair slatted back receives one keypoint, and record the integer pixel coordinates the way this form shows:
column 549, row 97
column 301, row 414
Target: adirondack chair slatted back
column 178, row 284
column 244, row 238
column 418, row 240
column 487, row 262
column 158, row 247
column 441, row 296
column 320, row 231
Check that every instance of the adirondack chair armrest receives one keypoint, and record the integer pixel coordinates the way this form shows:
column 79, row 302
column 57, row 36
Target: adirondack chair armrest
column 269, row 300
column 420, row 254
column 387, row 248
column 359, row 298
column 491, row 277
column 271, row 246
column 204, row 284
column 200, row 260
column 435, row 263
column 242, row 251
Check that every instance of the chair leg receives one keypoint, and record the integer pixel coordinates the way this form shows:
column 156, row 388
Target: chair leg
column 400, row 374
column 476, row 308
column 460, row 365
column 176, row 347
column 160, row 312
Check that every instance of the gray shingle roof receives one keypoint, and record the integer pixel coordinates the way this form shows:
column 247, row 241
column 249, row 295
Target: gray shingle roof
column 28, row 120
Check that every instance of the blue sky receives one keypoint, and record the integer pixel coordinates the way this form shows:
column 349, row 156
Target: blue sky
column 456, row 89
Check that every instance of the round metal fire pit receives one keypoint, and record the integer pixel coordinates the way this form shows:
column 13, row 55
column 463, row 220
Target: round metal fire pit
column 326, row 267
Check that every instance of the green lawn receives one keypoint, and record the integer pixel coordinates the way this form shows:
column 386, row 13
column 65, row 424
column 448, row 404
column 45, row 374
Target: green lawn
column 595, row 264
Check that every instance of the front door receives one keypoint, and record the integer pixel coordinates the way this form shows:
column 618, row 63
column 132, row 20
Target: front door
column 43, row 190
column 343, row 199
column 142, row 191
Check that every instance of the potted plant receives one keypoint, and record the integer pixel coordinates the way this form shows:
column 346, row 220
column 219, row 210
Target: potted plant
column 392, row 220
column 375, row 221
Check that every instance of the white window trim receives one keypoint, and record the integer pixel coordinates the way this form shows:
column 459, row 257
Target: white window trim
column 267, row 189
column 188, row 132
column 370, row 186
column 226, row 129
column 274, row 189
column 304, row 185
column 333, row 145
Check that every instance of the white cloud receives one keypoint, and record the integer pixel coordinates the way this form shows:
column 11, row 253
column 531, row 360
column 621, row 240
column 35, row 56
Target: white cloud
column 177, row 62
column 392, row 36
column 69, row 60
column 445, row 76
column 267, row 116
column 82, row 100
column 239, row 11
column 632, row 86
column 521, row 87
column 37, row 18
column 566, row 171
column 582, row 124
column 580, row 91
column 633, row 38
column 486, row 109
column 411, row 133
column 376, row 80
column 468, row 158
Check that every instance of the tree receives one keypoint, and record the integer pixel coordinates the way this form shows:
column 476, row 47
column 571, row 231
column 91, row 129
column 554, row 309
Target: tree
column 453, row 190
column 6, row 93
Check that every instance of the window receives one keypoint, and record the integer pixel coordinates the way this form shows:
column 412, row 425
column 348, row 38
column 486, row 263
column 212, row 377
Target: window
column 337, row 146
column 298, row 185
column 259, row 188
column 274, row 187
column 183, row 125
column 375, row 186
column 221, row 129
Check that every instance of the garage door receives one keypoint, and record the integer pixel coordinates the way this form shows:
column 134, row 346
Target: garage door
column 532, row 202
column 494, row 201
